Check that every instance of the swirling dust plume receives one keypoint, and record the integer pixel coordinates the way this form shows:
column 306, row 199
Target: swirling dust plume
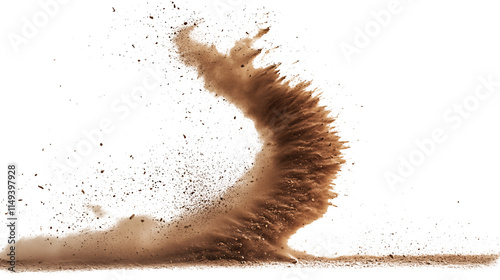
column 288, row 187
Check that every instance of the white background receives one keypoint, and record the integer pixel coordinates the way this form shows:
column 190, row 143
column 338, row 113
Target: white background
column 394, row 91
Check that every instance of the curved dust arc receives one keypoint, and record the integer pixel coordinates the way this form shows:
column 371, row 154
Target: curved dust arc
column 289, row 186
